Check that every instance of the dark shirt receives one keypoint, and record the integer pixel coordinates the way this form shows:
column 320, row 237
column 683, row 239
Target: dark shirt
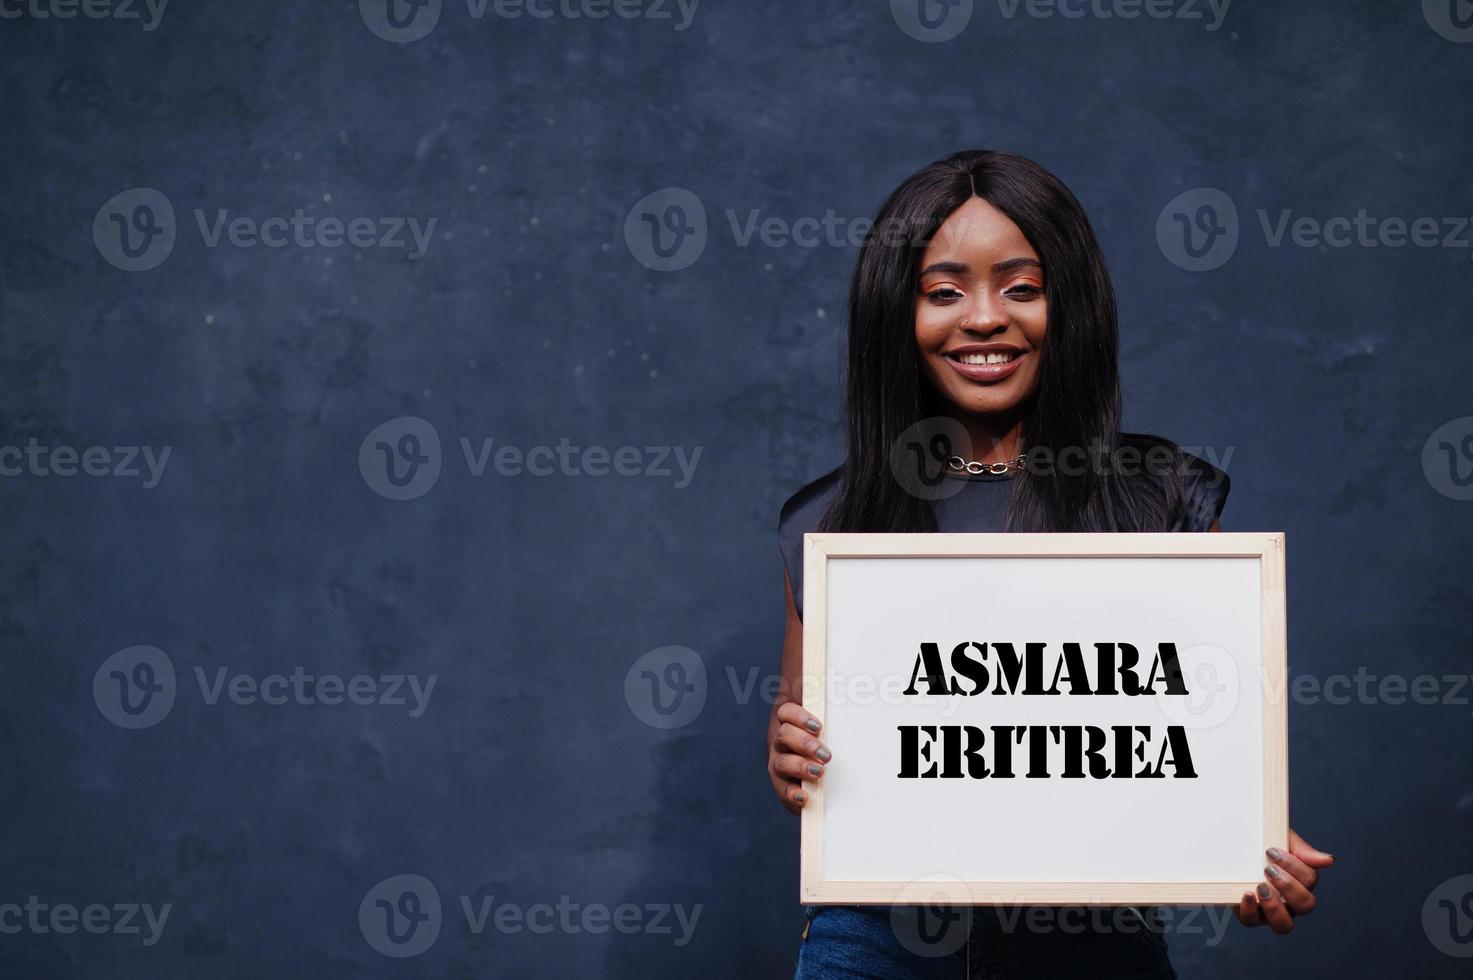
column 980, row 505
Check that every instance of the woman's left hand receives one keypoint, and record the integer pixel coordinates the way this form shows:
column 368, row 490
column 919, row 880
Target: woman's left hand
column 1288, row 887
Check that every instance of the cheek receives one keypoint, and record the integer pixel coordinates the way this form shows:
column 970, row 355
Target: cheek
column 927, row 333
column 1035, row 326
column 931, row 330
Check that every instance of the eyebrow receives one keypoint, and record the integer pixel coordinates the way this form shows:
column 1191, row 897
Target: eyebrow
column 961, row 268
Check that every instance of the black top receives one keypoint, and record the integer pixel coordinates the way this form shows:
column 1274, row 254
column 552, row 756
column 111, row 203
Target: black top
column 980, row 505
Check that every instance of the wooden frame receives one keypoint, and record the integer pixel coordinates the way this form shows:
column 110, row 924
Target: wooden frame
column 1266, row 548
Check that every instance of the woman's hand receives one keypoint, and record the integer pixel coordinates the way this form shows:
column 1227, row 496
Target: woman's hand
column 1288, row 887
column 794, row 754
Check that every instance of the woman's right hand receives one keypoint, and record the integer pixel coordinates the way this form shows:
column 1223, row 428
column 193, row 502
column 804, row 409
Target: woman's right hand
column 795, row 754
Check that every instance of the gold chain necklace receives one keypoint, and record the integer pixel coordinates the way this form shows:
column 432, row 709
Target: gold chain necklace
column 958, row 465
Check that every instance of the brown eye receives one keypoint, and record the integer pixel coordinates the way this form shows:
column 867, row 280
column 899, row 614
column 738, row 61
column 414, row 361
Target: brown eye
column 943, row 294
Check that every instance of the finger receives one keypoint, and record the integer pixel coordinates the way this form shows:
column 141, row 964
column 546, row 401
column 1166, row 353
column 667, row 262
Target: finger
column 791, row 738
column 1274, row 912
column 1308, row 853
column 790, row 794
column 794, row 714
column 1247, row 911
column 1298, row 898
column 1302, row 872
column 791, row 766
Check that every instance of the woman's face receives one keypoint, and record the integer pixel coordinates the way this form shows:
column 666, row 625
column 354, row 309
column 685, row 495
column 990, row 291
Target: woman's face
column 981, row 314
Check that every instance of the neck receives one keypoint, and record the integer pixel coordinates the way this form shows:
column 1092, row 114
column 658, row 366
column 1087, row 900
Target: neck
column 995, row 438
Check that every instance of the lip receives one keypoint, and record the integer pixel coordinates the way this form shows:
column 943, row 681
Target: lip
column 985, row 373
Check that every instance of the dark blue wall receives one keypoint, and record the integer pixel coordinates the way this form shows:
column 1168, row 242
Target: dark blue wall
column 532, row 317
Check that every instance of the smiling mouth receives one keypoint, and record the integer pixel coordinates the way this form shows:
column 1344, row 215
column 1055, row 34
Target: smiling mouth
column 986, row 357
column 985, row 366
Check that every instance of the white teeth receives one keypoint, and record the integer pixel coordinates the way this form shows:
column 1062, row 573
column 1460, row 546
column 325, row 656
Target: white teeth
column 987, row 357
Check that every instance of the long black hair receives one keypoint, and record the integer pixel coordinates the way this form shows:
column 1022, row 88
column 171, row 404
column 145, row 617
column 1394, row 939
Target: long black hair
column 1077, row 403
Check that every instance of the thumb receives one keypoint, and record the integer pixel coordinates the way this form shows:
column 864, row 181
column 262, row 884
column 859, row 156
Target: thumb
column 1308, row 853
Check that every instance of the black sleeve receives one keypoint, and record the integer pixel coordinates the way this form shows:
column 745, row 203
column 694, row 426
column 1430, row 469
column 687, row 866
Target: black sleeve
column 1204, row 494
column 802, row 513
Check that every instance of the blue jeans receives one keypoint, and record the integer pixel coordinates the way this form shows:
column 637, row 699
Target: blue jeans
column 914, row 942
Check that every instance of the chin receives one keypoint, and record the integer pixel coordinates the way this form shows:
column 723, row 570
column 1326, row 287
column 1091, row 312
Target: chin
column 992, row 401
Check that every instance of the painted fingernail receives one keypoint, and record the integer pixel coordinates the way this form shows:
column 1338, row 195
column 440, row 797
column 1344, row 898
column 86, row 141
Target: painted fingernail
column 1274, row 853
column 815, row 770
column 812, row 724
column 1263, row 892
column 824, row 755
column 801, row 797
column 1272, row 871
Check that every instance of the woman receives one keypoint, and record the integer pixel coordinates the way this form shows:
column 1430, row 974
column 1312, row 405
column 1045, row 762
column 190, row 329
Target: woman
column 983, row 395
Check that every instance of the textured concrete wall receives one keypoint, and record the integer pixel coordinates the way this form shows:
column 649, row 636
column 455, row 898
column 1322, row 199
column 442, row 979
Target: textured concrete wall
column 491, row 275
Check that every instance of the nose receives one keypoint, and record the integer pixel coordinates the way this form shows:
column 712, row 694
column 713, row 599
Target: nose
column 985, row 317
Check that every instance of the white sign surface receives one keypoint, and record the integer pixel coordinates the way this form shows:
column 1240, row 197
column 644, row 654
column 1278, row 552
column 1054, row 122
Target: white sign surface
column 1065, row 718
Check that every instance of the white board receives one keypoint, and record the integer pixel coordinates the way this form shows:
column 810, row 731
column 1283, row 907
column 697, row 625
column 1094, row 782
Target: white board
column 1195, row 833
